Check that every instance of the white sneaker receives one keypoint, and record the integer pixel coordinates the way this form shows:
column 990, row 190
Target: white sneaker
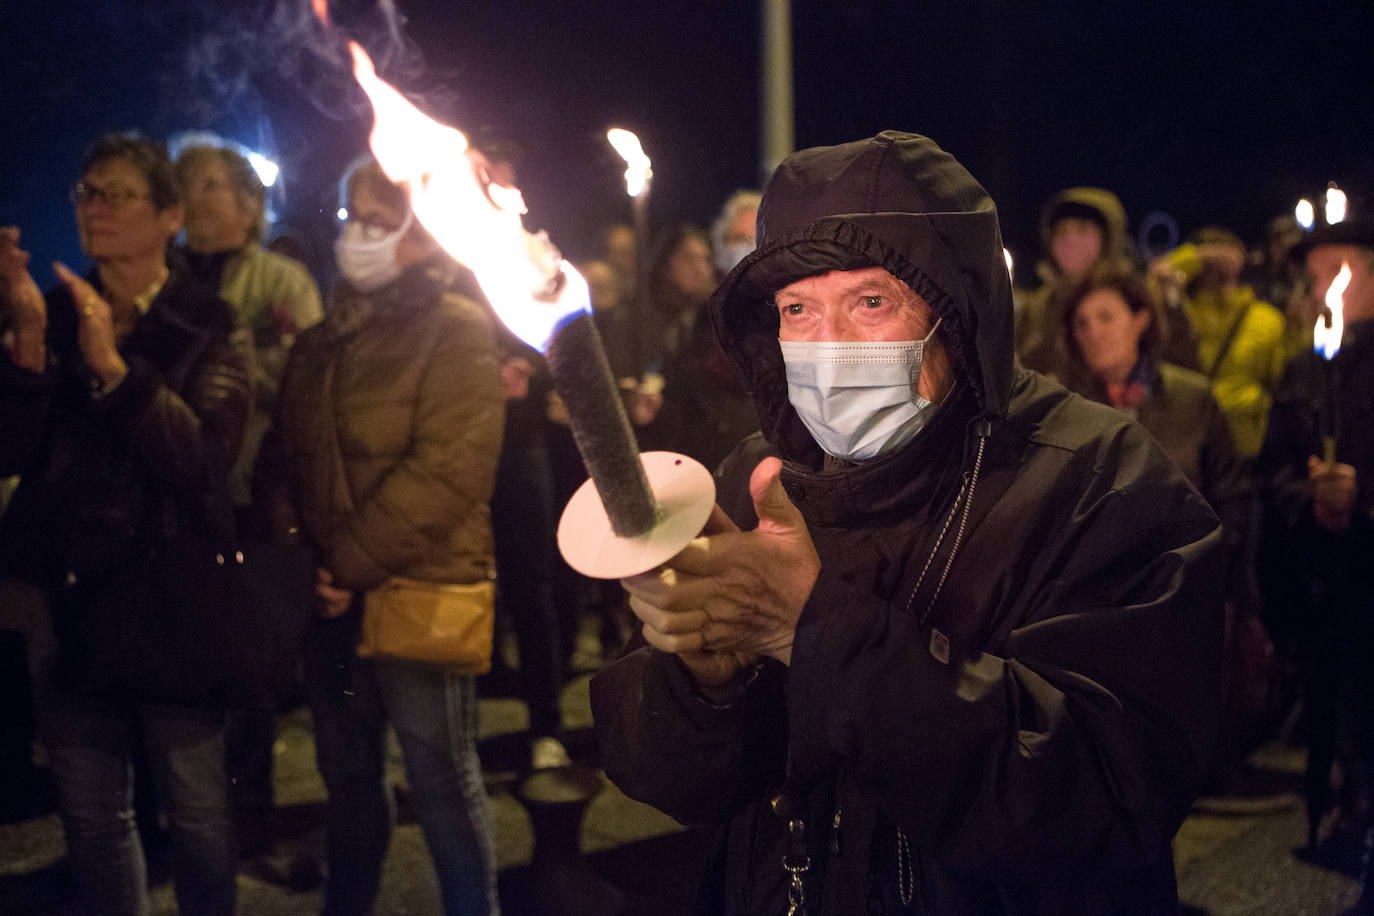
column 548, row 753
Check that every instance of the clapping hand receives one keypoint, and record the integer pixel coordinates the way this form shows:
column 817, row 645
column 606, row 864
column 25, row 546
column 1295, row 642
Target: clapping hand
column 28, row 313
column 95, row 332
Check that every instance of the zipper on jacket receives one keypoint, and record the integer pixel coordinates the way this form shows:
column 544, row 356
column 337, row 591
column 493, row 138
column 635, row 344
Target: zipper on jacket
column 963, row 501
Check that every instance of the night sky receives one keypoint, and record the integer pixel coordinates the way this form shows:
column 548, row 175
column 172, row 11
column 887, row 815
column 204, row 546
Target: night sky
column 1221, row 113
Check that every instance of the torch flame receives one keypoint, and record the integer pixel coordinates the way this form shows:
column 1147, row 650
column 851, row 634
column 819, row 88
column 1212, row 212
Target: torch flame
column 1335, row 204
column 475, row 220
column 1326, row 336
column 638, row 170
column 1304, row 213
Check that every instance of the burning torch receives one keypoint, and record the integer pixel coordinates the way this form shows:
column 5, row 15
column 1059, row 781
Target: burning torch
column 637, row 510
column 1326, row 341
column 639, row 176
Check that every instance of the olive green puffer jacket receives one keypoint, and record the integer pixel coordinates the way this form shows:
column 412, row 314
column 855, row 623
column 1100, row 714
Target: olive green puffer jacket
column 386, row 435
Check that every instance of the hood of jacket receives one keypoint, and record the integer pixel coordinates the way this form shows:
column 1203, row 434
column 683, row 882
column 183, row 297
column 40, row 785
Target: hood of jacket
column 895, row 201
column 1073, row 201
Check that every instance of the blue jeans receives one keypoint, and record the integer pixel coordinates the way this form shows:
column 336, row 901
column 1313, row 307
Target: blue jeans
column 434, row 714
column 90, row 742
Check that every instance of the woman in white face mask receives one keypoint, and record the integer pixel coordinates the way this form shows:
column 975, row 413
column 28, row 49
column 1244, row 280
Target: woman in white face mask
column 383, row 457
column 377, row 241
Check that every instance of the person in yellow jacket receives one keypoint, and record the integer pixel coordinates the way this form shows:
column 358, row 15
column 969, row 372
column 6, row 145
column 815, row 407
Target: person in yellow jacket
column 1240, row 340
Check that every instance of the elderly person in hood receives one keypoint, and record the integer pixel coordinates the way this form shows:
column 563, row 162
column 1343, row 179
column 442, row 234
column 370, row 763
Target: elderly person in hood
column 967, row 661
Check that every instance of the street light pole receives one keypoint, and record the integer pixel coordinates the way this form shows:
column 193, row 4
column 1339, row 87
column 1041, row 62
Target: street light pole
column 776, row 126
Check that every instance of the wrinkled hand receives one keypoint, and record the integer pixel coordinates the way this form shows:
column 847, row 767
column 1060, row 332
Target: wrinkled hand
column 28, row 313
column 1333, row 492
column 334, row 602
column 732, row 596
column 95, row 333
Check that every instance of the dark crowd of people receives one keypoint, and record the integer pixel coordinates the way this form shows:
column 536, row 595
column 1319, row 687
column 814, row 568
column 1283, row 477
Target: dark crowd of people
column 998, row 582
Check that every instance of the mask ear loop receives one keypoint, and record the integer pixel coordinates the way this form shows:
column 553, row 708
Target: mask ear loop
column 923, row 342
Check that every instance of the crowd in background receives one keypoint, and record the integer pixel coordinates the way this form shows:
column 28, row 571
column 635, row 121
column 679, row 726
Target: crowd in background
column 396, row 429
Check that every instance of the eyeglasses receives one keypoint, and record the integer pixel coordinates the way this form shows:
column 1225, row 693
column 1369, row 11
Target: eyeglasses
column 114, row 197
column 373, row 232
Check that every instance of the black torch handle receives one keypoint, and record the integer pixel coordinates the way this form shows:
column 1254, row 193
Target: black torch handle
column 582, row 375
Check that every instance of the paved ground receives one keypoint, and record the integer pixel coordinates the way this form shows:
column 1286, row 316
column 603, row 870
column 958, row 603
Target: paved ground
column 1234, row 854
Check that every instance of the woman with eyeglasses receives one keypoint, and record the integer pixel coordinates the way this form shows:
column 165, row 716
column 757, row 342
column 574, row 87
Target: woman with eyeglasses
column 123, row 398
column 382, row 457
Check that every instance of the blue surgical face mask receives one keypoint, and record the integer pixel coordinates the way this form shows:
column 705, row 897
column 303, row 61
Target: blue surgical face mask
column 858, row 398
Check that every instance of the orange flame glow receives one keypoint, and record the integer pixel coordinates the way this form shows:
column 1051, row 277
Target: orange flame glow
column 476, row 221
column 321, row 8
column 1326, row 340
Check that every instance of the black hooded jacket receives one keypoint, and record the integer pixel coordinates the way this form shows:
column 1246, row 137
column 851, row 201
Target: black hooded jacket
column 1003, row 687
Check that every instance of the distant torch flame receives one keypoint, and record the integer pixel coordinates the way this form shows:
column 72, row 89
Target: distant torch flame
column 1304, row 213
column 1335, row 205
column 1326, row 336
column 476, row 221
column 1011, row 262
column 638, row 169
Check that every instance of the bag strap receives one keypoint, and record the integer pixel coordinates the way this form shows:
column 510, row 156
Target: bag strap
column 1227, row 341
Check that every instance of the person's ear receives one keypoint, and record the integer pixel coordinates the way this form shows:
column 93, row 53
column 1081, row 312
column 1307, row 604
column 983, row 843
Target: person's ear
column 172, row 219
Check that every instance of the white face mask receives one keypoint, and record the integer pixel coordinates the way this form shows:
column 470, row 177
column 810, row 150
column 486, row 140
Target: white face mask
column 858, row 399
column 731, row 253
column 366, row 261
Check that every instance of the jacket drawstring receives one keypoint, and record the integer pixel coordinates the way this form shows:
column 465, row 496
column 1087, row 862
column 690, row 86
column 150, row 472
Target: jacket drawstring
column 906, row 874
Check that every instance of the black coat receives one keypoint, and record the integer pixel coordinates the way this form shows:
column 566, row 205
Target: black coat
column 1315, row 581
column 1009, row 663
column 1302, row 414
column 1183, row 416
column 99, row 472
